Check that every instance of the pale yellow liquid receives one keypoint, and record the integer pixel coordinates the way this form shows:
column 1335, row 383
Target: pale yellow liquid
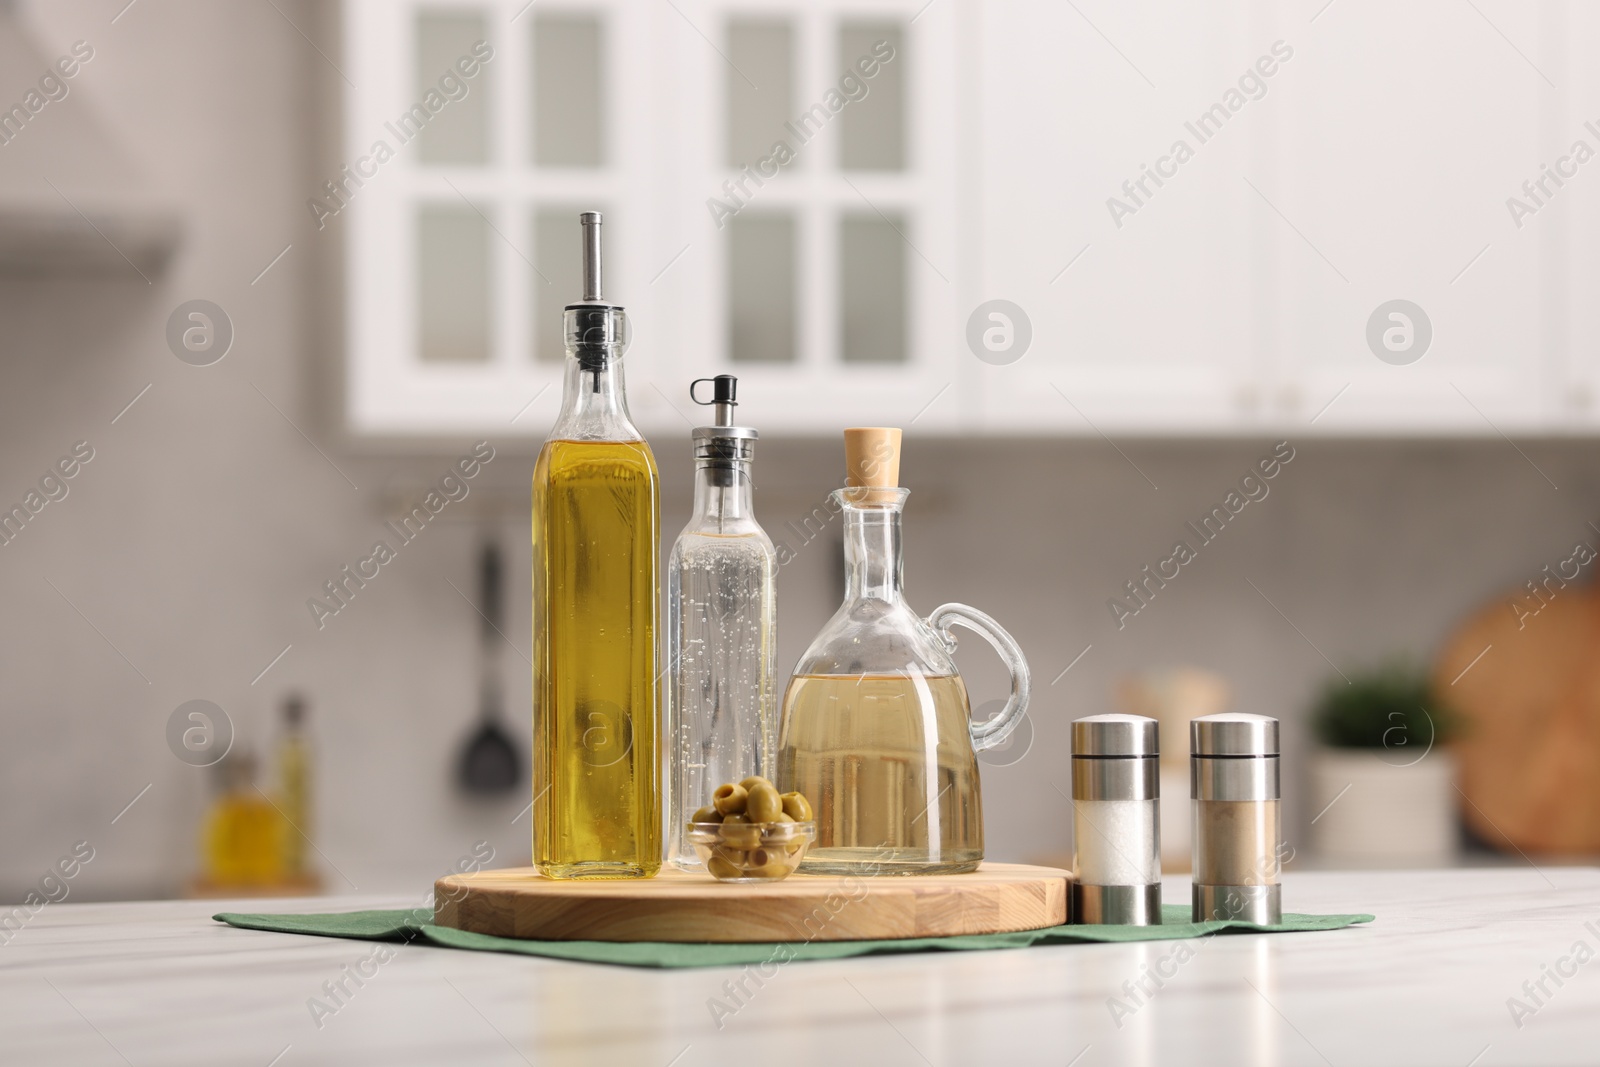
column 294, row 769
column 595, row 781
column 888, row 765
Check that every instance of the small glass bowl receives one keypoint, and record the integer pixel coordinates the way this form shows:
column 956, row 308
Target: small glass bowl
column 751, row 852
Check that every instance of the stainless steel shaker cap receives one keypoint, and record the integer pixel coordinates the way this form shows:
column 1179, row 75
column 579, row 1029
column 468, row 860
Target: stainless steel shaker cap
column 1114, row 735
column 1233, row 734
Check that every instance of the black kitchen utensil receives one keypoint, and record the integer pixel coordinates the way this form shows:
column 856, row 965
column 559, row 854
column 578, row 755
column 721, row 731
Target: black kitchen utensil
column 490, row 760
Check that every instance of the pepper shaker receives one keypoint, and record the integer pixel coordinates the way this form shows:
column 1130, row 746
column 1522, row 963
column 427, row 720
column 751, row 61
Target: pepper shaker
column 1116, row 789
column 1235, row 786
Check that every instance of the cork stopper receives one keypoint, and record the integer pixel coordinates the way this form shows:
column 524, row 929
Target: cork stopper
column 872, row 458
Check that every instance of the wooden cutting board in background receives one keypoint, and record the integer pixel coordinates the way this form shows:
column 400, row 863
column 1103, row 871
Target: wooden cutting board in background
column 677, row 906
column 1530, row 751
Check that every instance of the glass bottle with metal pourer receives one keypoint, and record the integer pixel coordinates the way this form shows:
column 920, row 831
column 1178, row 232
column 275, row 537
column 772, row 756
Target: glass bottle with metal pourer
column 876, row 730
column 596, row 538
column 722, row 633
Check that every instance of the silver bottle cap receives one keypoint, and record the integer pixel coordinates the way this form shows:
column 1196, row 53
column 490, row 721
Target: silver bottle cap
column 1114, row 735
column 1233, row 734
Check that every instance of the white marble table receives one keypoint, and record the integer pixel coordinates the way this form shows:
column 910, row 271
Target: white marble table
column 1428, row 983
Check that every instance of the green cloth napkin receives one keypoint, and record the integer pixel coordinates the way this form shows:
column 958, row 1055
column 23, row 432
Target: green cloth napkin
column 417, row 925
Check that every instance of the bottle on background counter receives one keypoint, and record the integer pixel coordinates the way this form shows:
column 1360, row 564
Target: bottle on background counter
column 722, row 625
column 596, row 538
column 242, row 842
column 294, row 788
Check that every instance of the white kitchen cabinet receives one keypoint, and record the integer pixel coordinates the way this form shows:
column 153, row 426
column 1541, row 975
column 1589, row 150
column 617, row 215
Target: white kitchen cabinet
column 1569, row 222
column 1398, row 137
column 823, row 288
column 816, row 285
column 1142, row 322
column 450, row 314
column 1353, row 155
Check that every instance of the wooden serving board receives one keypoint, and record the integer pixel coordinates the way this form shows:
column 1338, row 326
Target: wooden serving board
column 1528, row 684
column 678, row 906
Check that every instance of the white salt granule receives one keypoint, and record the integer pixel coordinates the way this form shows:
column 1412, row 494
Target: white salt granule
column 1117, row 842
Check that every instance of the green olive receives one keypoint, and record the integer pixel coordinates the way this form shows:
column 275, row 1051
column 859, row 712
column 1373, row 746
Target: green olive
column 762, row 803
column 729, row 799
column 737, row 832
column 797, row 807
column 768, row 863
column 706, row 815
column 754, row 780
column 721, row 868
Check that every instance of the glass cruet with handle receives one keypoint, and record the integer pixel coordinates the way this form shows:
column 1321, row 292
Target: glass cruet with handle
column 876, row 727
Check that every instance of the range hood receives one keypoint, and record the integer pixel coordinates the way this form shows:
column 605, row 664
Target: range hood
column 72, row 200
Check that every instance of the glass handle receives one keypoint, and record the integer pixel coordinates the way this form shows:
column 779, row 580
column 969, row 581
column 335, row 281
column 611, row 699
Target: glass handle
column 990, row 732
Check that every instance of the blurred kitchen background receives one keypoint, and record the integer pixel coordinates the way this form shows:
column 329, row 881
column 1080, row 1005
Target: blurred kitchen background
column 359, row 337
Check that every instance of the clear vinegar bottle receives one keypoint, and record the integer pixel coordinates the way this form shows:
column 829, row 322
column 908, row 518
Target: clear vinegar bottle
column 722, row 629
column 876, row 728
column 596, row 538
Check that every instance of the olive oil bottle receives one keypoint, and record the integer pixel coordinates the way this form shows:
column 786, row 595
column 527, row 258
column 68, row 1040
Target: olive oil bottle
column 596, row 539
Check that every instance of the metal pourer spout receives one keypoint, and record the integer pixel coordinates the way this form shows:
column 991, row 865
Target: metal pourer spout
column 723, row 448
column 591, row 222
column 724, row 391
column 596, row 331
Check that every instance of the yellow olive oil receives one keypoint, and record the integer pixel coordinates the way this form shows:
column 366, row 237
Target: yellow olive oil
column 595, row 775
column 243, row 838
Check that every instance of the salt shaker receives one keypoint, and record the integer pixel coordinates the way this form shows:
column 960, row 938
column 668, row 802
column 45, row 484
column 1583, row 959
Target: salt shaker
column 1116, row 790
column 1233, row 778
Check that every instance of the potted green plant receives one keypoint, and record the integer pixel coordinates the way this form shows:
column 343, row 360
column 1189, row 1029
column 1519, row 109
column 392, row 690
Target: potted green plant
column 1382, row 778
